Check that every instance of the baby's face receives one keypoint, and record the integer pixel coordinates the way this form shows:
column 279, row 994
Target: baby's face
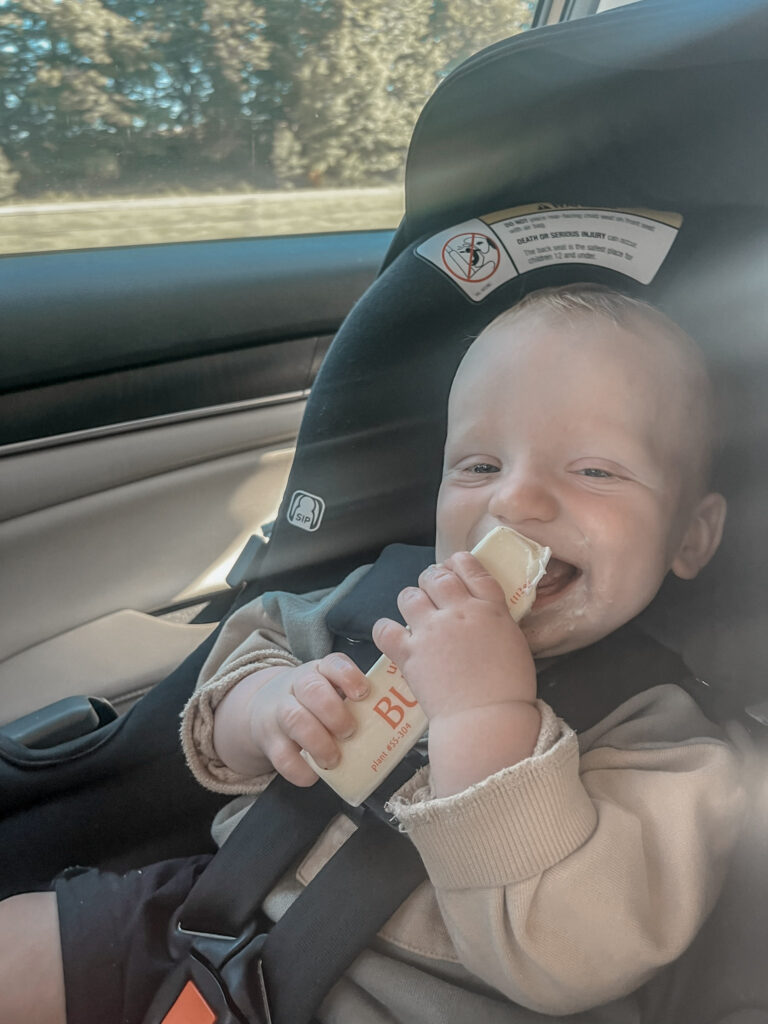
column 573, row 433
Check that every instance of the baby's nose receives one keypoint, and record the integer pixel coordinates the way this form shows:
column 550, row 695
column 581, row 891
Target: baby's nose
column 521, row 497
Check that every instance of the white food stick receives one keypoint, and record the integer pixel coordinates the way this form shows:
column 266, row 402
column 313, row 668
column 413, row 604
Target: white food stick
column 390, row 720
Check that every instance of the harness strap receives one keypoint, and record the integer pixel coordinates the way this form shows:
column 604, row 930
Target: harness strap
column 336, row 917
column 229, row 893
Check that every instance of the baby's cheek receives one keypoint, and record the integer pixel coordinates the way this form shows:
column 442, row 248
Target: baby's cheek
column 630, row 588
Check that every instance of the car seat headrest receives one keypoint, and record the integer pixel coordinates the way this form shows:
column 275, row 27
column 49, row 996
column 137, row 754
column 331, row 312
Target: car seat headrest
column 649, row 109
column 647, row 105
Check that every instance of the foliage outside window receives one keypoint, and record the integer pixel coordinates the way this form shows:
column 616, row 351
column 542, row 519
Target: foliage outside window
column 291, row 100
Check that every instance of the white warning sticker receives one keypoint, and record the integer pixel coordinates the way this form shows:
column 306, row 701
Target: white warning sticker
column 470, row 254
column 632, row 242
column 479, row 255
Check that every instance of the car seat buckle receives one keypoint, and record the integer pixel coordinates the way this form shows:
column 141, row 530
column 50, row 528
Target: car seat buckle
column 246, row 567
column 190, row 1008
column 204, row 935
column 201, row 992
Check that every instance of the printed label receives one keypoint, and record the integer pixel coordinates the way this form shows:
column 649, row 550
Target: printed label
column 630, row 242
column 389, row 723
column 306, row 511
column 479, row 255
column 471, row 256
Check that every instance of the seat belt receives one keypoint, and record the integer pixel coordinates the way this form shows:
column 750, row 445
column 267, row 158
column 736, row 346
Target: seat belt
column 372, row 874
column 229, row 893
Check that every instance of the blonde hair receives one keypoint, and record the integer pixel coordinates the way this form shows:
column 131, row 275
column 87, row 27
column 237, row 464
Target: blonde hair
column 587, row 298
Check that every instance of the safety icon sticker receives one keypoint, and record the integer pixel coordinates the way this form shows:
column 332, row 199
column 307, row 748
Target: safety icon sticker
column 471, row 256
column 306, row 511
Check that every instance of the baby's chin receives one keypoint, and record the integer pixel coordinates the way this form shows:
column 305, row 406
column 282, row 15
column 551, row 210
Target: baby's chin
column 551, row 632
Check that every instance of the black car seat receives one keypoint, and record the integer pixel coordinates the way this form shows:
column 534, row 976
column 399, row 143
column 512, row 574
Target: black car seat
column 644, row 123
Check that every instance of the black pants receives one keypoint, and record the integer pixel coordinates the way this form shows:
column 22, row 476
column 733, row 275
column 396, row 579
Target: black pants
column 114, row 936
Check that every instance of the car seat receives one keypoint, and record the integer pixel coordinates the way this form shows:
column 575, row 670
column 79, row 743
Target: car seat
column 648, row 108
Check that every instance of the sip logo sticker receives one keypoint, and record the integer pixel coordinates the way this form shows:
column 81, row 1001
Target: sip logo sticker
column 306, row 511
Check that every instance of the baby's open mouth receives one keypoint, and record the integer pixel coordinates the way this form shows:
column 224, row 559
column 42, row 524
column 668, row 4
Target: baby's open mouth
column 558, row 576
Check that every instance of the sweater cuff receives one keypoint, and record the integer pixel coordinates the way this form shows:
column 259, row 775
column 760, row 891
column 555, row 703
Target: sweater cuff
column 509, row 827
column 197, row 723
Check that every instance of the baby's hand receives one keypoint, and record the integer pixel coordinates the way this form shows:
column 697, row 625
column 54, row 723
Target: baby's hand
column 462, row 649
column 304, row 707
column 471, row 669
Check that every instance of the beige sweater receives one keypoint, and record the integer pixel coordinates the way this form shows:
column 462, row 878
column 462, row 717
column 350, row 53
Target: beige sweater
column 563, row 882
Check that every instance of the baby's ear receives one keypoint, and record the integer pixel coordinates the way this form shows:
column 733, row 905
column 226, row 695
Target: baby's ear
column 702, row 537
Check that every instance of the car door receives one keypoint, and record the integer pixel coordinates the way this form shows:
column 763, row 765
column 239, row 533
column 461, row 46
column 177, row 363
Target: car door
column 151, row 400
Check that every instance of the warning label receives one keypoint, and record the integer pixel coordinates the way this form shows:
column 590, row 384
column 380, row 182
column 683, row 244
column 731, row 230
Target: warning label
column 471, row 255
column 630, row 242
column 479, row 255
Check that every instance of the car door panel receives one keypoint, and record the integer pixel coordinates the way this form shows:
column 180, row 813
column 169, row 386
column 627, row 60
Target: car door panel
column 35, row 479
column 200, row 386
column 95, row 311
column 161, row 539
column 148, row 415
column 118, row 657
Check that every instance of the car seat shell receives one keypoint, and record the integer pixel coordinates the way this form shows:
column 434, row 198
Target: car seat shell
column 631, row 109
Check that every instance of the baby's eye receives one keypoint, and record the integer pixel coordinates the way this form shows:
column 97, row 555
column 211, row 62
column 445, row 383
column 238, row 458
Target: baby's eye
column 483, row 467
column 600, row 474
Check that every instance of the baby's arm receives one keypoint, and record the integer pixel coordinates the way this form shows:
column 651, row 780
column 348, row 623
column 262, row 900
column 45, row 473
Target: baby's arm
column 567, row 882
column 469, row 665
column 564, row 882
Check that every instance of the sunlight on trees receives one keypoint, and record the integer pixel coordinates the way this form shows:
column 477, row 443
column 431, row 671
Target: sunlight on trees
column 154, row 97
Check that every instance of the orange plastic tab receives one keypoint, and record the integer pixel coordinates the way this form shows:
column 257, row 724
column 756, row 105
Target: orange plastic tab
column 190, row 1008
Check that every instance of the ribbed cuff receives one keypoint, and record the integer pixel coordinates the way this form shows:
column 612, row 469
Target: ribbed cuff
column 197, row 723
column 509, row 827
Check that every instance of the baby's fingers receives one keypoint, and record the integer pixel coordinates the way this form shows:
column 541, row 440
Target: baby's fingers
column 317, row 692
column 442, row 586
column 345, row 675
column 391, row 638
column 298, row 728
column 475, row 577
column 288, row 762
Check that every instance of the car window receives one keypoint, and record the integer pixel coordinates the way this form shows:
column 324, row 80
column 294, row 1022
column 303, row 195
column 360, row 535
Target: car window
column 548, row 12
column 609, row 5
column 130, row 122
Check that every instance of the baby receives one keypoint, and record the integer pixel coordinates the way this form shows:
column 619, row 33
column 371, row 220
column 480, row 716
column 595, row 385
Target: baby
column 564, row 871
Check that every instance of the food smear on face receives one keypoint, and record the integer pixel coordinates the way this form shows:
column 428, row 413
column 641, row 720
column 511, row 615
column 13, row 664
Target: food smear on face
column 390, row 720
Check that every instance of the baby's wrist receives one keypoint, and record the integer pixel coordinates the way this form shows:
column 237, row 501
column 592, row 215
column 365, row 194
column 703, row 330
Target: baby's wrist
column 470, row 745
column 233, row 724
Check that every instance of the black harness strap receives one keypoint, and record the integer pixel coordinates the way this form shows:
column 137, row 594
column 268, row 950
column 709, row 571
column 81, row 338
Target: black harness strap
column 229, row 893
column 585, row 686
column 336, row 917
